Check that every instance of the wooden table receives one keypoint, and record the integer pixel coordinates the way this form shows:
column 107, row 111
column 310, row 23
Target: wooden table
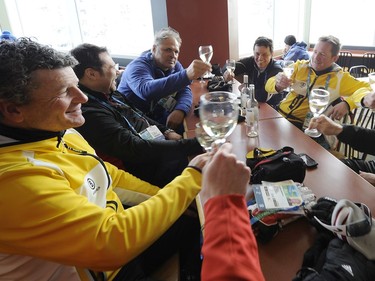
column 282, row 256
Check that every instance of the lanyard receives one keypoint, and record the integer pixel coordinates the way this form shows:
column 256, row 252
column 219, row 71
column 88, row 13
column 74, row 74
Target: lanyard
column 109, row 106
column 135, row 111
column 309, row 88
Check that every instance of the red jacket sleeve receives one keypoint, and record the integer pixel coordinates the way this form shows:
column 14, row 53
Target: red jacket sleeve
column 230, row 251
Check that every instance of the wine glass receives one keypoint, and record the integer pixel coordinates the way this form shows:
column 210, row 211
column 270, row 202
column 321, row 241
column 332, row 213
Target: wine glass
column 231, row 66
column 203, row 138
column 318, row 102
column 371, row 80
column 218, row 112
column 288, row 68
column 205, row 54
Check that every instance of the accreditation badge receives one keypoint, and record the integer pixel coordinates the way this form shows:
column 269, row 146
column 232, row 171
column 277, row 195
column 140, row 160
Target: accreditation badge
column 168, row 103
column 151, row 133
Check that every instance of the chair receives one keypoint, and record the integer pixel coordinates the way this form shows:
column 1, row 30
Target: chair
column 359, row 71
column 345, row 60
column 369, row 61
column 362, row 117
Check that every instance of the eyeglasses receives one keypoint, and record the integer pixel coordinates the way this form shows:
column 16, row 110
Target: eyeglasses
column 354, row 229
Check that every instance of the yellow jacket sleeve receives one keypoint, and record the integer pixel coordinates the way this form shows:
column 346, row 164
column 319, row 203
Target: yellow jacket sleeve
column 49, row 220
column 353, row 90
column 271, row 85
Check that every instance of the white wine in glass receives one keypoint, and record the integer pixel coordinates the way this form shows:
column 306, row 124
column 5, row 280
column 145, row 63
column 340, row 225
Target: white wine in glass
column 231, row 67
column 288, row 69
column 371, row 80
column 218, row 112
column 203, row 138
column 318, row 102
column 205, row 54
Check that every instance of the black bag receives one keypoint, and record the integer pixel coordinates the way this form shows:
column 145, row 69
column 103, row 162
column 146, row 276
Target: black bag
column 273, row 166
column 218, row 84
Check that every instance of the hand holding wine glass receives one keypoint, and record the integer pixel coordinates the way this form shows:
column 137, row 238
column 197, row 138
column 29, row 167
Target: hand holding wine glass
column 288, row 68
column 231, row 66
column 205, row 54
column 218, row 112
column 318, row 102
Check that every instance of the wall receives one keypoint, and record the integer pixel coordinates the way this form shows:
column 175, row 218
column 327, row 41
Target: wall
column 200, row 22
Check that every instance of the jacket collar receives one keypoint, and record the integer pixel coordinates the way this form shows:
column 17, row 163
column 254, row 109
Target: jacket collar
column 327, row 70
column 96, row 94
column 25, row 136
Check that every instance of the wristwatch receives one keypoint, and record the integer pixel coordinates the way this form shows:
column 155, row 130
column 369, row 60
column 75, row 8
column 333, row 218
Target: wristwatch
column 166, row 132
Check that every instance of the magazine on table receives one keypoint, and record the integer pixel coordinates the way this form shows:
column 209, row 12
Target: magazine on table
column 283, row 195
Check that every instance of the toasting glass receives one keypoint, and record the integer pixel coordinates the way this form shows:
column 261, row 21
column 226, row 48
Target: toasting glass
column 318, row 102
column 205, row 54
column 218, row 112
column 288, row 68
column 203, row 138
column 231, row 66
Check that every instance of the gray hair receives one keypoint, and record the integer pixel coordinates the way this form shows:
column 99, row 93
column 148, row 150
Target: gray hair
column 334, row 41
column 165, row 33
column 18, row 61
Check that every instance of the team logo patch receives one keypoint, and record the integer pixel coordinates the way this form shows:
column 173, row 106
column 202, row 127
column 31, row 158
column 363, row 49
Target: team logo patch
column 91, row 183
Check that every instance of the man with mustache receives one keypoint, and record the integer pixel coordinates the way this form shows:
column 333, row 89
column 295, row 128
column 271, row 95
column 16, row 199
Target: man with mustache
column 157, row 83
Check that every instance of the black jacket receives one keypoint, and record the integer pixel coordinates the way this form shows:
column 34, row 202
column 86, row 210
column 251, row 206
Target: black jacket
column 339, row 262
column 359, row 138
column 259, row 79
column 107, row 130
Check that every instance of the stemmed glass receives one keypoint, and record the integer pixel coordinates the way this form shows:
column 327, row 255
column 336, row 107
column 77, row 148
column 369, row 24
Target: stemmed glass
column 371, row 79
column 203, row 138
column 218, row 112
column 288, row 68
column 231, row 66
column 205, row 54
column 318, row 102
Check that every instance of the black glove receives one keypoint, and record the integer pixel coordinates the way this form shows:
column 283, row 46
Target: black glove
column 323, row 211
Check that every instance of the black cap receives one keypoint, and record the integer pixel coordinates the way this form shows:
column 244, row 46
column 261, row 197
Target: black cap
column 290, row 40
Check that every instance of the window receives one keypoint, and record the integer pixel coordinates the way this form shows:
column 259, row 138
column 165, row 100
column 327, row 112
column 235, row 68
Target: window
column 125, row 27
column 350, row 21
column 271, row 18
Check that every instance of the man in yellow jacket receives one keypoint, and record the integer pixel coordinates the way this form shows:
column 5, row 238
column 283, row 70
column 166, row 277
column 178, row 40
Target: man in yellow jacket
column 320, row 71
column 62, row 214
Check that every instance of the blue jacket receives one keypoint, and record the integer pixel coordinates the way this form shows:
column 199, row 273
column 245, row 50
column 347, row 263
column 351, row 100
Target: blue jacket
column 297, row 51
column 144, row 84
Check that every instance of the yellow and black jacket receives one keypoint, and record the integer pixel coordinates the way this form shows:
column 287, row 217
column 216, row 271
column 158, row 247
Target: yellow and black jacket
column 295, row 106
column 61, row 209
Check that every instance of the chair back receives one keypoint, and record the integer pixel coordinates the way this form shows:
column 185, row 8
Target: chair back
column 359, row 71
column 345, row 60
column 369, row 61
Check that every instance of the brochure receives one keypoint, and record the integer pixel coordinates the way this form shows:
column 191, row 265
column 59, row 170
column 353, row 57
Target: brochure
column 283, row 195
